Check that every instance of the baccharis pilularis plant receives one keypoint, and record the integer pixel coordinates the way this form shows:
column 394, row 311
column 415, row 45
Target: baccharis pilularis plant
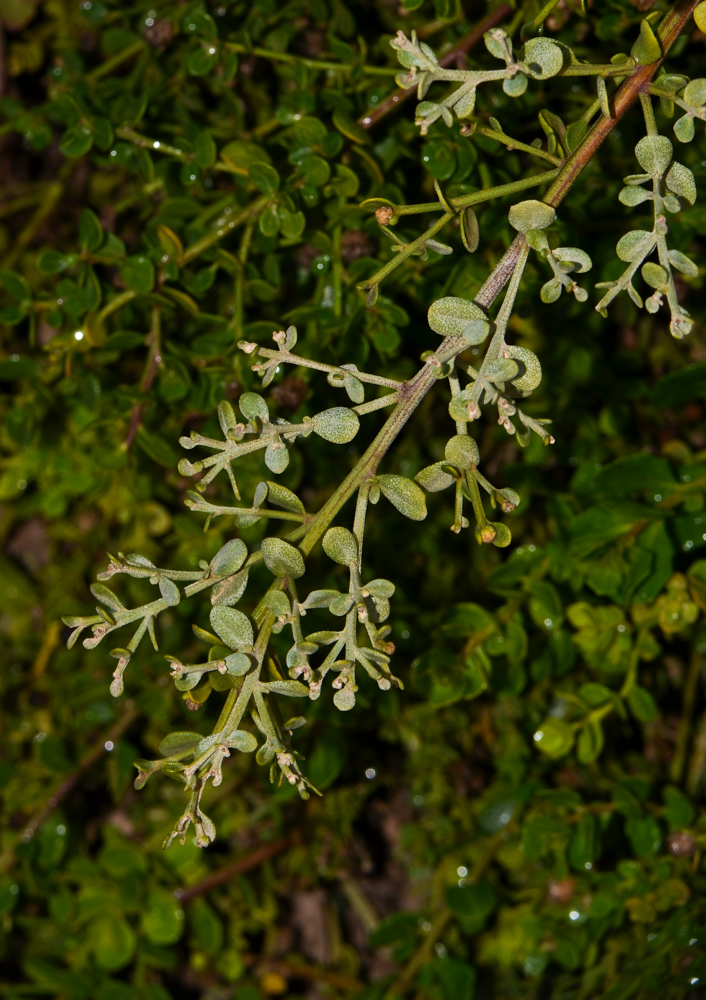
column 476, row 364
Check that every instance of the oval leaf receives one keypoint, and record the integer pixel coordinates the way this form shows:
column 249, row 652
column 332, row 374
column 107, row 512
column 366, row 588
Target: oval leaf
column 340, row 545
column 231, row 626
column 230, row 558
column 531, row 215
column 456, row 317
column 338, row 425
column 281, row 558
column 405, row 495
column 179, row 743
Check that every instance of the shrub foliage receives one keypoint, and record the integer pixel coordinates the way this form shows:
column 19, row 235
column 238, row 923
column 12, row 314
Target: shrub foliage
column 226, row 229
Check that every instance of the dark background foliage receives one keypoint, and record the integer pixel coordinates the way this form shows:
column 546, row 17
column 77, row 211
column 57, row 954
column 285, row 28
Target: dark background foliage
column 446, row 837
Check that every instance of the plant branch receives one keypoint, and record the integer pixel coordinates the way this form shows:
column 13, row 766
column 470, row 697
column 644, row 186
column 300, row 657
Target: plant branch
column 468, row 42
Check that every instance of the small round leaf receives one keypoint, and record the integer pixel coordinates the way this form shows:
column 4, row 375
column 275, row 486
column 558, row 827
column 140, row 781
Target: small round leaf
column 281, row 558
column 531, row 215
column 231, row 626
column 340, row 545
column 338, row 425
column 462, row 452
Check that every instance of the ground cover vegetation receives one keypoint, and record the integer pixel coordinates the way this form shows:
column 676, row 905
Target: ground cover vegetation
column 289, row 290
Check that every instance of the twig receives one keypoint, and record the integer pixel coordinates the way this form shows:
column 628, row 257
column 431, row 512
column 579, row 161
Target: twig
column 51, row 640
column 626, row 95
column 677, row 767
column 321, row 64
column 103, row 745
column 438, row 925
column 245, row 864
column 50, row 200
column 296, row 970
column 465, row 44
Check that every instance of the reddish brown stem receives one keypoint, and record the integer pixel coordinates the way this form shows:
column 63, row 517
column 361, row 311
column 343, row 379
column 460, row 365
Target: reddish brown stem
column 102, row 746
column 225, row 874
column 628, row 92
column 465, row 44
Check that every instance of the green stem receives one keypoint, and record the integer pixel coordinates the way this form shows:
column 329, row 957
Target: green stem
column 477, row 197
column 600, row 69
column 498, row 341
column 318, row 64
column 118, row 59
column 204, row 243
column 649, row 113
column 688, row 704
column 116, row 303
column 130, row 135
column 513, row 144
column 544, row 13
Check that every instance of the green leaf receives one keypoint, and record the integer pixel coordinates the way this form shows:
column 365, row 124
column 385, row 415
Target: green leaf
column 470, row 234
column 462, row 452
column 681, row 181
column 229, row 558
column 90, row 231
column 434, row 478
column 204, row 150
column 646, row 49
column 590, row 742
column 269, row 222
column 678, row 809
column 281, row 558
column 338, row 425
column 531, row 215
column 473, row 903
column 232, row 626
column 530, row 369
column 76, row 141
column 315, row 169
column 573, row 255
column 277, row 602
column 107, row 597
column 138, row 274
column 654, row 153
column 253, row 406
column 684, row 128
column 551, row 291
column 280, row 496
column 695, row 93
column 290, row 689
column 179, row 743
column 240, row 155
column 516, row 85
column 264, row 177
column 642, row 704
column 635, row 245
column 654, row 275
column 15, row 286
column 202, row 60
column 162, row 918
column 644, row 834
column 242, row 740
column 112, row 941
column 555, row 738
column 340, row 545
column 238, row 664
column 169, row 591
column 405, row 495
column 544, row 58
column 349, row 127
column 633, row 195
column 682, row 263
column 53, row 262
column 456, row 317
